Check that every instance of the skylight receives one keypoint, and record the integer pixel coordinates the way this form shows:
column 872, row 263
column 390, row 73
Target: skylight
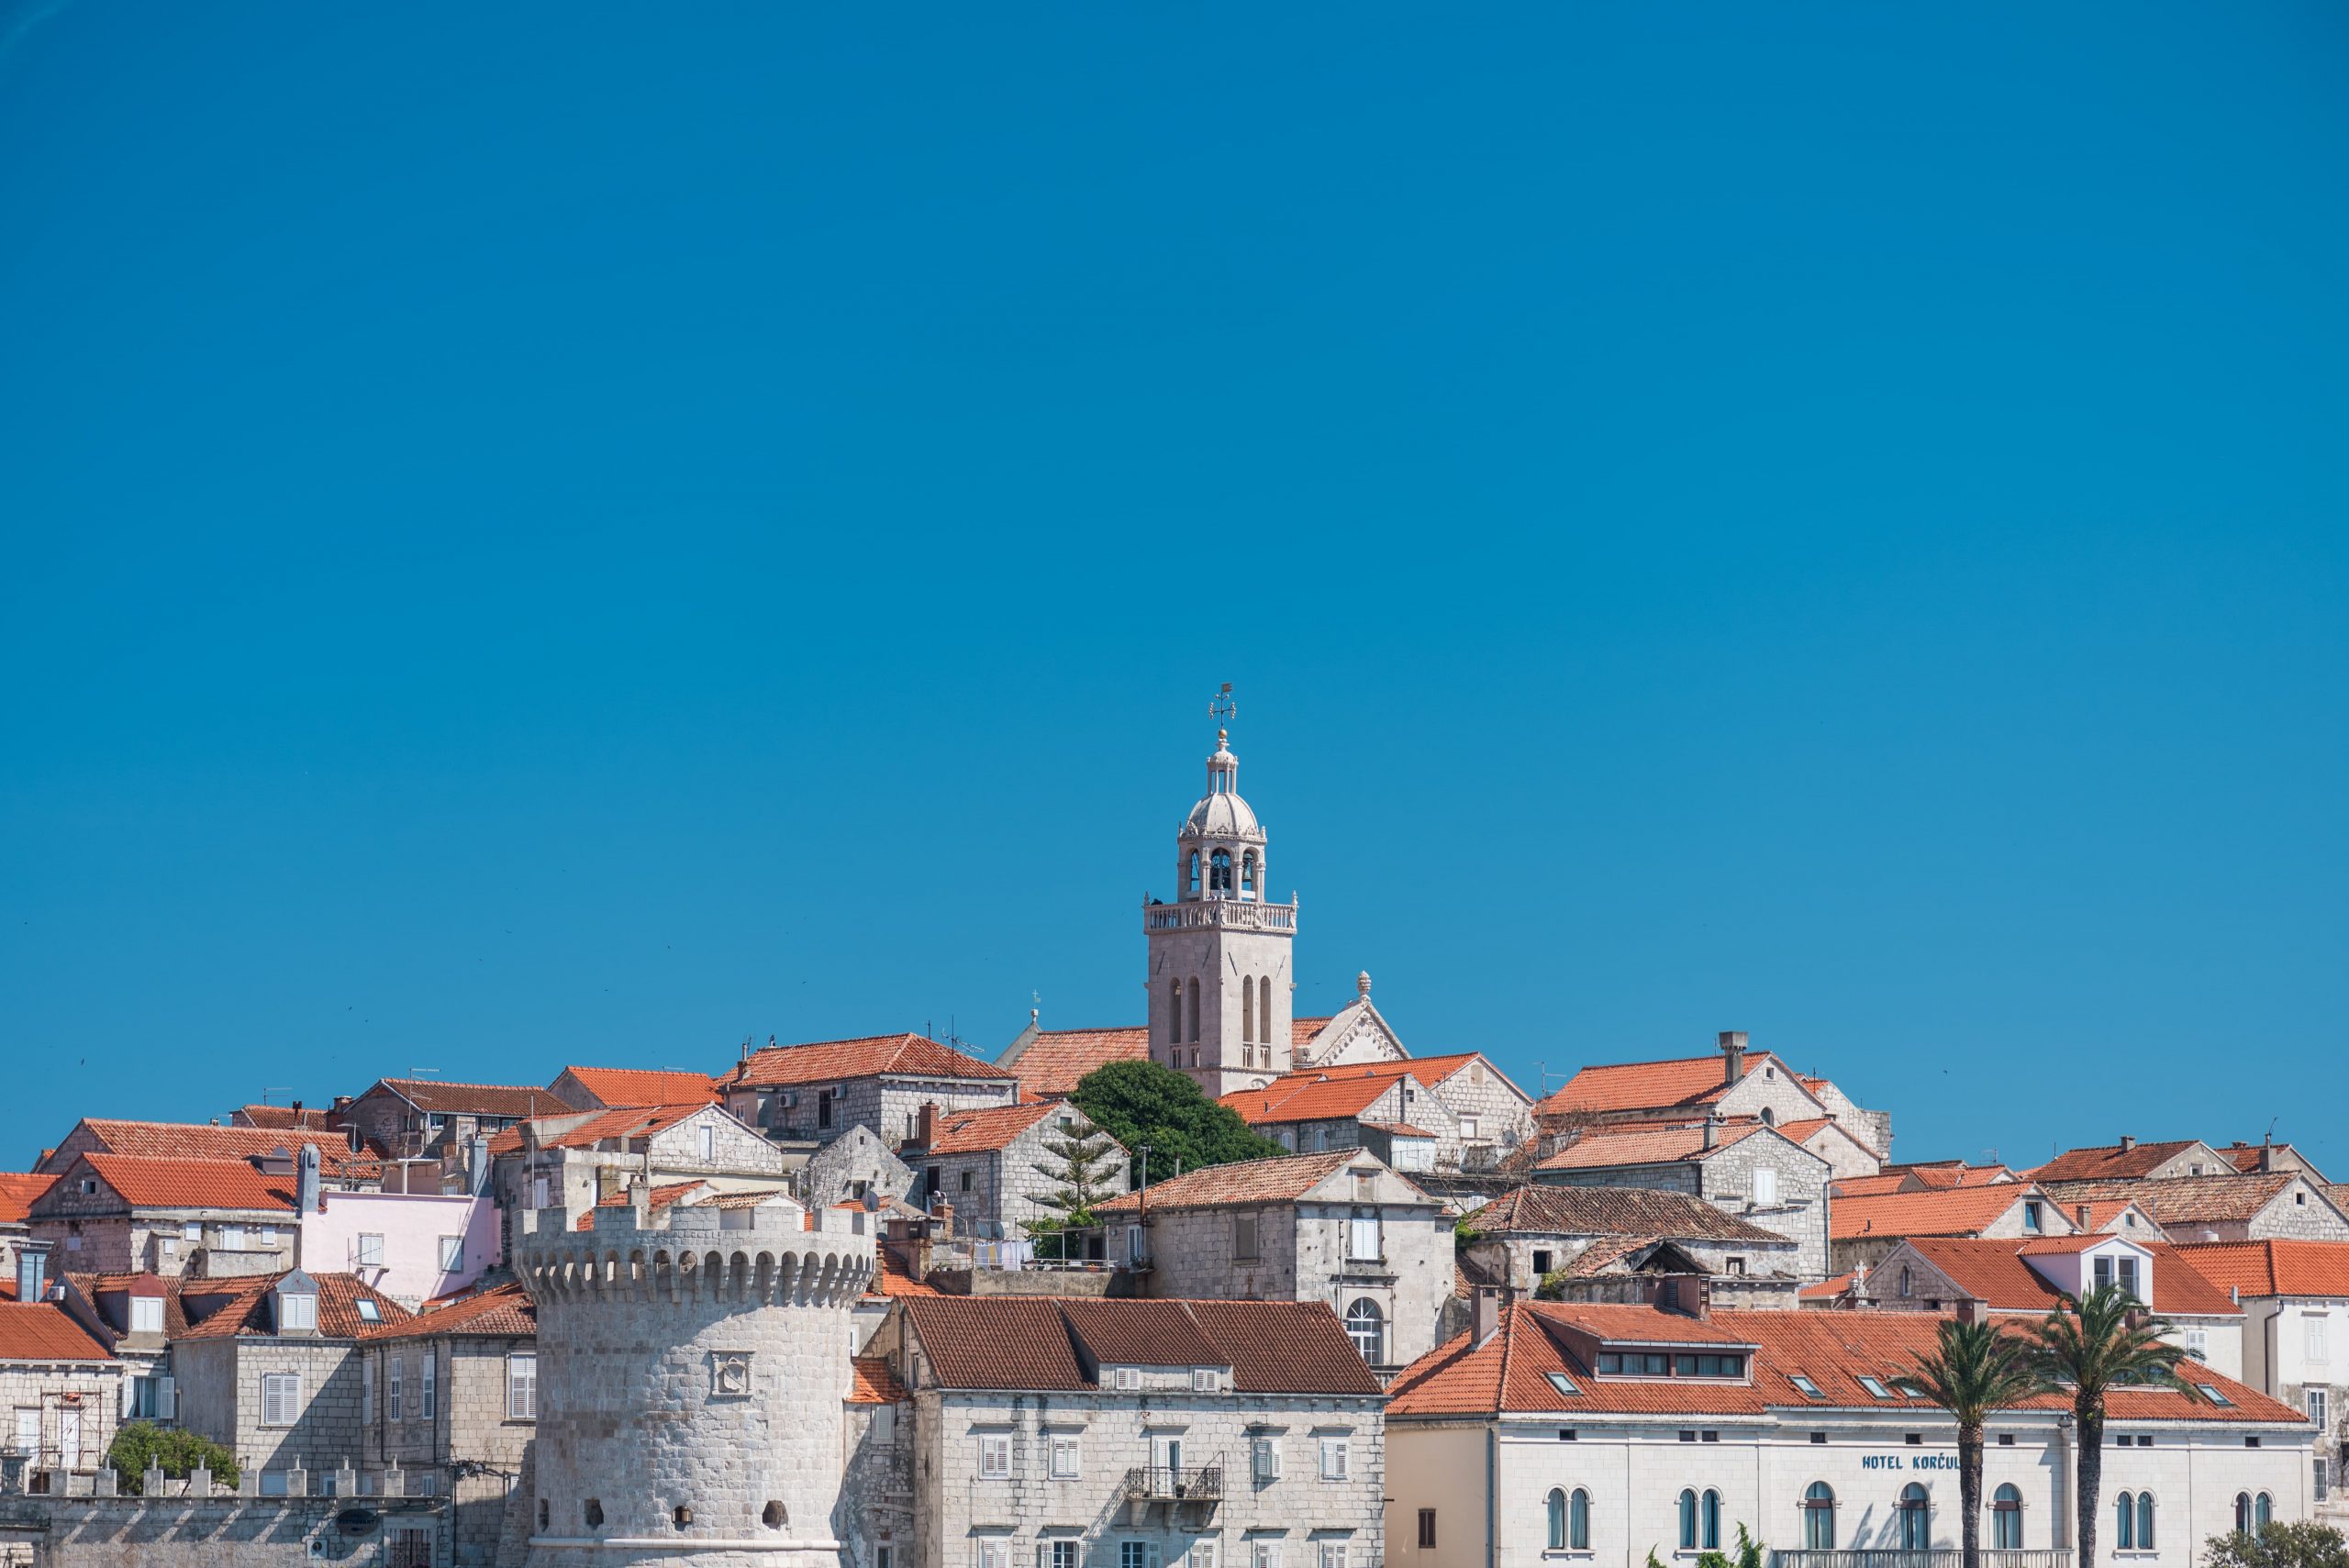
column 1909, row 1386
column 1873, row 1386
column 2212, row 1394
column 1562, row 1384
column 367, row 1311
column 1808, row 1389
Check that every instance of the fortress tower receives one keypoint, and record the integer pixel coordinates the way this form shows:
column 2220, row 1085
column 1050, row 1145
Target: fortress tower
column 1219, row 978
column 691, row 1373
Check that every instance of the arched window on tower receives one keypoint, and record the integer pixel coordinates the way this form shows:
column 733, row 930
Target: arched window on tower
column 1174, row 1014
column 1247, row 1010
column 1191, row 876
column 1248, row 874
column 1194, row 1009
column 1220, row 871
column 1264, row 1014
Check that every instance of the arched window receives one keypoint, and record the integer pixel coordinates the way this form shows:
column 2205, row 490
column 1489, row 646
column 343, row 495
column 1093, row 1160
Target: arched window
column 1191, row 876
column 1579, row 1521
column 2263, row 1513
column 1220, row 871
column 2144, row 1521
column 1367, row 1329
column 1907, row 1282
column 2124, row 1523
column 1818, row 1517
column 1247, row 1010
column 1916, row 1519
column 1264, row 1012
column 2243, row 1513
column 1711, row 1512
column 1688, row 1520
column 1557, row 1510
column 2005, row 1518
column 1247, row 873
column 1173, row 1012
column 1769, row 1116
column 1194, row 1009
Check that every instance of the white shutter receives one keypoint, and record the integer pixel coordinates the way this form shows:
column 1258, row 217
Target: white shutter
column 167, row 1398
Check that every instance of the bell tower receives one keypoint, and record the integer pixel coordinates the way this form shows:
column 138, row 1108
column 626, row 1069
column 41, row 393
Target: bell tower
column 1219, row 977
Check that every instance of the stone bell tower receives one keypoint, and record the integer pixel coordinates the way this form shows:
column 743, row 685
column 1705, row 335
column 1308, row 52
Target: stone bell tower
column 1219, row 975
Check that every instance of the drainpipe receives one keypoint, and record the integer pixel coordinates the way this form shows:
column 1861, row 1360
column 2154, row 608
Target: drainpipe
column 1492, row 1484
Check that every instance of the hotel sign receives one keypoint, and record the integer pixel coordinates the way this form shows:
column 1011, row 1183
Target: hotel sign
column 1909, row 1462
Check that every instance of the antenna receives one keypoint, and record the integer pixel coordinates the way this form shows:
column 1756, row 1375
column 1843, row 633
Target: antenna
column 424, row 1071
column 1222, row 707
column 288, row 1088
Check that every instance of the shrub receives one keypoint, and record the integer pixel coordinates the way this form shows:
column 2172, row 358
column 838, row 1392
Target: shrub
column 140, row 1444
column 2302, row 1545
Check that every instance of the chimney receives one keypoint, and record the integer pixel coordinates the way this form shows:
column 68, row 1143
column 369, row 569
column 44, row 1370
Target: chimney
column 306, row 1186
column 2080, row 1214
column 1712, row 1130
column 1733, row 1055
column 32, row 1267
column 926, row 1125
column 2267, row 1153
column 1968, row 1310
column 1484, row 1314
column 945, row 1211
column 2128, row 1142
column 639, row 1196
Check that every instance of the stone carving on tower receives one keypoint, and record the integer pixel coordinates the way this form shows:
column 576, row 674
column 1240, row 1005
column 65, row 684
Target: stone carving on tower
column 1220, row 982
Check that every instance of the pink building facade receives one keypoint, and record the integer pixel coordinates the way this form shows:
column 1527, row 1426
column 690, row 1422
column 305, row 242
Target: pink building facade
column 410, row 1246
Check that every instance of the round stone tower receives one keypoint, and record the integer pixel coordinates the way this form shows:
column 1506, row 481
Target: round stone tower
column 691, row 1370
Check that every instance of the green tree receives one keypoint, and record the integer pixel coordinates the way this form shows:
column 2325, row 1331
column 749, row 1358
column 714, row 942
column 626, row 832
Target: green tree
column 2303, row 1545
column 139, row 1444
column 2104, row 1340
column 1974, row 1370
column 1142, row 1102
column 1085, row 1156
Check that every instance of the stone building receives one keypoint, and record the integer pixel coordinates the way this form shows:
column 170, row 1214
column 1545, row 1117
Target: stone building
column 1751, row 1170
column 620, row 1088
column 1472, row 1116
column 1560, row 1431
column 1051, row 1062
column 62, row 1391
column 1339, row 1229
column 693, row 1371
column 269, row 1367
column 408, row 1119
column 1867, row 1229
column 853, row 1168
column 1071, row 1434
column 811, row 1094
column 875, row 1517
column 2130, row 1159
column 1735, row 1086
column 2279, row 1204
column 1588, row 1234
column 2295, row 1300
column 129, row 1314
column 991, row 1164
column 131, row 1213
column 18, row 1191
column 346, row 1166
column 1958, row 1277
column 449, row 1401
column 582, row 1158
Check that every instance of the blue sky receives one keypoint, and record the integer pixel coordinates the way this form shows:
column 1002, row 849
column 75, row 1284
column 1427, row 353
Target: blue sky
column 561, row 534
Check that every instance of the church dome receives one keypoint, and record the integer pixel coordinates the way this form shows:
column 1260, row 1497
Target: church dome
column 1220, row 813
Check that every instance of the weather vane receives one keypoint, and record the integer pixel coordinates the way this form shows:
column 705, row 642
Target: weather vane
column 1222, row 707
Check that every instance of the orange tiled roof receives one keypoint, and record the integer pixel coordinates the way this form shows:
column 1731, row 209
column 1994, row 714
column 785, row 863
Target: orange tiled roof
column 1828, row 1289
column 891, row 1279
column 505, row 1311
column 913, row 1054
column 2185, row 1200
column 186, row 1140
column 873, row 1383
column 1334, row 1097
column 146, row 1182
column 1030, row 1342
column 1871, row 1186
column 1833, row 1349
column 1645, row 1146
column 1056, row 1060
column 288, row 1119
column 1282, row 1178
column 238, row 1307
column 984, row 1131
column 1643, row 1212
column 1644, row 1085
column 18, row 1190
column 2273, row 1267
column 656, row 1198
column 1301, row 1031
column 437, row 1098
column 623, row 1122
column 1956, row 1211
column 1997, row 1273
column 40, row 1332
column 644, row 1086
column 2110, row 1160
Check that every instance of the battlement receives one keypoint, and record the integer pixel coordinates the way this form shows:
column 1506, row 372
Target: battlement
column 776, row 1254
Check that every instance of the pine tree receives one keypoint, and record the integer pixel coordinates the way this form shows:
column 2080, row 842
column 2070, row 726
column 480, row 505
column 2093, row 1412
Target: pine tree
column 1087, row 1155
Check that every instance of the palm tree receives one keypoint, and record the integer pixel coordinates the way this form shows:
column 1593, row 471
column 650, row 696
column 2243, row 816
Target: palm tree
column 2103, row 1340
column 1974, row 1370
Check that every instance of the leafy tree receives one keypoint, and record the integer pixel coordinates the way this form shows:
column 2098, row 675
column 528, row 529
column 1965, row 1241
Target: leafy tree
column 1551, row 1286
column 1749, row 1551
column 2104, row 1340
column 1974, row 1370
column 139, row 1444
column 1086, row 1156
column 1142, row 1102
column 2303, row 1545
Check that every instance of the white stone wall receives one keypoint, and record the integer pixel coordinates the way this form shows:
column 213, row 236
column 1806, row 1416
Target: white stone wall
column 1115, row 1434
column 1219, row 960
column 876, row 1503
column 92, row 1390
column 1513, row 1252
column 470, row 1420
column 997, row 1191
column 1634, row 1470
column 220, row 1397
column 856, row 1156
column 1725, row 1179
column 1504, row 1116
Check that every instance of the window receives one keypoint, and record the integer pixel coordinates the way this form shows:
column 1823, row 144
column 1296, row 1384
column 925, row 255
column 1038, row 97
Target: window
column 541, row 1196
column 1336, row 1454
column 1804, row 1386
column 1064, row 1457
column 2124, row 1523
column 1263, row 1554
column 296, row 1313
column 2144, row 1521
column 1427, row 1528
column 522, row 1387
column 1064, row 1554
column 1818, row 1517
column 1133, row 1554
column 1362, row 1237
column 367, row 1311
column 1688, row 1520
column 1555, row 1506
column 2198, row 1342
column 1333, row 1555
column 2005, row 1518
column 1541, row 1261
column 1367, row 1329
column 1268, row 1459
column 427, row 1387
column 2316, row 1346
column 1248, row 1010
column 370, row 1251
column 994, row 1456
column 1765, row 1186
column 453, row 1253
column 281, row 1398
column 1203, row 1552
column 1265, row 1011
column 1562, row 1384
column 146, row 1314
column 2032, row 1222
column 1907, row 1282
column 1195, row 1011
column 2262, row 1512
column 1128, row 1378
column 2212, row 1394
column 366, row 1393
column 392, row 1390
column 708, row 1143
column 2323, row 1477
column 995, row 1552
column 1916, row 1519
column 966, row 1183
column 2316, row 1408
column 2129, row 1276
column 1244, row 1236
column 1874, row 1387
column 1471, row 1127
column 1710, row 1516
column 1579, row 1521
column 232, row 1239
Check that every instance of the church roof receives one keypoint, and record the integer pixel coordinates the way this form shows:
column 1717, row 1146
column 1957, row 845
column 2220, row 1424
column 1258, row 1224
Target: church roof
column 1646, row 1086
column 1053, row 1061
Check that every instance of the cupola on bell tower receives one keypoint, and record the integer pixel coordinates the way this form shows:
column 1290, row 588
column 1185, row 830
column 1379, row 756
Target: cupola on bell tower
column 1220, row 976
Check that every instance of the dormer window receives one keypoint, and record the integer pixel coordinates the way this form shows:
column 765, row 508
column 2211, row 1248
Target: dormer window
column 146, row 1314
column 296, row 1302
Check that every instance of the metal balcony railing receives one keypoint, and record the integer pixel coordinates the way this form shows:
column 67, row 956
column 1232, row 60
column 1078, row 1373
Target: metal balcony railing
column 1159, row 1483
column 1935, row 1557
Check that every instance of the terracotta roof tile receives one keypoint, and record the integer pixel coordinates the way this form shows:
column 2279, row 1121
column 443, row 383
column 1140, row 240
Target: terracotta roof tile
column 1340, row 1094
column 186, row 1141
column 505, row 1311
column 146, row 1182
column 287, row 1118
column 1644, row 1146
column 238, row 1307
column 910, row 1054
column 1055, row 1059
column 656, row 1198
column 2184, row 1200
column 1283, row 1346
column 1828, row 1289
column 1141, row 1333
column 873, row 1383
column 894, row 1280
column 2272, row 1267
column 1998, row 1272
column 1614, row 1211
column 2110, row 1160
column 1642, row 1085
column 584, row 1130
column 1032, row 1342
column 1957, row 1211
column 437, row 1098
column 1302, row 1032
column 18, row 1190
column 984, row 1131
column 42, row 1331
column 644, row 1086
column 1277, row 1180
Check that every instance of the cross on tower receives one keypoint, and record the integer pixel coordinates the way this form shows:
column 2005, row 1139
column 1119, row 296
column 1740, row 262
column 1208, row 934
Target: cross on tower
column 1222, row 707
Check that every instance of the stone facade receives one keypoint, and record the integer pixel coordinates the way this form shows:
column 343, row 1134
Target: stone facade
column 90, row 1228
column 218, row 1532
column 997, row 1191
column 470, row 1438
column 888, row 1103
column 60, row 1414
column 220, row 1397
column 1724, row 1177
column 875, row 1512
column 852, row 1167
column 538, row 1171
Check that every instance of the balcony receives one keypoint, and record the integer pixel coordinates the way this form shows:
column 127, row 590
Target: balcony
column 1938, row 1557
column 1150, row 1485
column 1220, row 915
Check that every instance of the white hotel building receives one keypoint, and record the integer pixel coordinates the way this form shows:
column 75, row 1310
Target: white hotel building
column 1568, row 1433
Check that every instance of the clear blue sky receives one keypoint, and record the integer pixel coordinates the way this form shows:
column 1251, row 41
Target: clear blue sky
column 570, row 534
